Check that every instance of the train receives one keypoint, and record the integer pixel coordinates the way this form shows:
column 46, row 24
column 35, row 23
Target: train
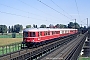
column 40, row 36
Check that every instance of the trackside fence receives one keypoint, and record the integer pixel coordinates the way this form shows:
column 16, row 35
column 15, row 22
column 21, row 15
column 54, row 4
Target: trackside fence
column 10, row 48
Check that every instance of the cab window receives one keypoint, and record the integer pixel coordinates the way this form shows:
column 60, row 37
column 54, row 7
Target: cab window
column 32, row 34
column 25, row 34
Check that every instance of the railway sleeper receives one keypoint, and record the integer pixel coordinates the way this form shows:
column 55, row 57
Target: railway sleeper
column 69, row 56
column 74, row 49
column 46, row 48
column 76, row 54
column 25, row 56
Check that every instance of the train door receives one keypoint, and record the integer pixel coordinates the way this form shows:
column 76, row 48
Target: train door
column 39, row 35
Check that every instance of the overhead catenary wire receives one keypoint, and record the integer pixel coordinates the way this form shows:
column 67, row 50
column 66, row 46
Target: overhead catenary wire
column 18, row 15
column 61, row 8
column 39, row 11
column 21, row 10
column 77, row 9
column 53, row 9
column 83, row 21
column 13, row 14
column 36, row 8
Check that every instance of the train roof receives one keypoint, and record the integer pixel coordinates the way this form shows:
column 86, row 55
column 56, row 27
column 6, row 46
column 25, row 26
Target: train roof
column 44, row 29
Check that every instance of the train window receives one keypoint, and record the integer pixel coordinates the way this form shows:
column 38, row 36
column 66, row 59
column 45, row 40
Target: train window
column 57, row 32
column 48, row 33
column 25, row 34
column 44, row 33
column 71, row 30
column 68, row 31
column 65, row 31
column 40, row 33
column 32, row 34
column 60, row 32
column 53, row 32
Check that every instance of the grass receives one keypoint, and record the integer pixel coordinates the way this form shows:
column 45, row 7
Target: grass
column 84, row 58
column 7, row 41
column 8, row 45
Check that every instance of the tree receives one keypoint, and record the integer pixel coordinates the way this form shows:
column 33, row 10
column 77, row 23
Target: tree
column 61, row 26
column 34, row 26
column 51, row 26
column 28, row 26
column 3, row 29
column 76, row 25
column 71, row 25
column 57, row 26
column 18, row 28
column 9, row 30
column 65, row 26
column 12, row 29
column 43, row 26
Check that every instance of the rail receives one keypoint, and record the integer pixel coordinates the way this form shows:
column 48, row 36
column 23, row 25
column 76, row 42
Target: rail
column 37, row 52
column 69, row 51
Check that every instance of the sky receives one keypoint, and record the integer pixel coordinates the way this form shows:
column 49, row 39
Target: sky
column 29, row 12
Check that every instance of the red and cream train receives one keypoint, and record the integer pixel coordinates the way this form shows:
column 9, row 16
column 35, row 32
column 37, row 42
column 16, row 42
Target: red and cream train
column 33, row 36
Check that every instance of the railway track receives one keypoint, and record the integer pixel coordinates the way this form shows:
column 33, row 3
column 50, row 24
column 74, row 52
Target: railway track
column 34, row 53
column 67, row 52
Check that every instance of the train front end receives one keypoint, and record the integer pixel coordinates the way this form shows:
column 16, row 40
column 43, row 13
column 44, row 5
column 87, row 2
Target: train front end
column 29, row 37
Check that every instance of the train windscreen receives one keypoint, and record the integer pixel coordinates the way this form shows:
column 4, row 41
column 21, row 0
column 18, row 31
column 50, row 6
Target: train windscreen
column 32, row 34
column 25, row 34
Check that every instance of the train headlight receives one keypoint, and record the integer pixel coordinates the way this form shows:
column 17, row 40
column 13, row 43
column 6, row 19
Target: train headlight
column 38, row 39
column 33, row 40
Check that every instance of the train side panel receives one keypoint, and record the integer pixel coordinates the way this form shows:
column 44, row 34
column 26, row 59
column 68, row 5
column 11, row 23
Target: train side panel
column 40, row 36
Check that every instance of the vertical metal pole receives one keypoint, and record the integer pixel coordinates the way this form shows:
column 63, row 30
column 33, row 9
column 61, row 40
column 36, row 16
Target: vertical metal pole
column 75, row 25
column 81, row 25
column 87, row 22
column 18, row 46
column 3, row 50
column 6, row 49
column 9, row 49
column 15, row 47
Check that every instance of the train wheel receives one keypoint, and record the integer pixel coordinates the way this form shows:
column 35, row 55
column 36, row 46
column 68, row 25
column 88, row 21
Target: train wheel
column 28, row 45
column 34, row 46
